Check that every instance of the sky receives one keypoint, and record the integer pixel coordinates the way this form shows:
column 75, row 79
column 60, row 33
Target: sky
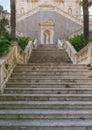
column 6, row 5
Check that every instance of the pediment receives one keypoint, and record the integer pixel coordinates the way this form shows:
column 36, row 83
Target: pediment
column 47, row 6
column 47, row 23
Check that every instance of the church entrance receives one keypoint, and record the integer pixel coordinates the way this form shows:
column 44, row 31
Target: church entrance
column 47, row 32
column 47, row 37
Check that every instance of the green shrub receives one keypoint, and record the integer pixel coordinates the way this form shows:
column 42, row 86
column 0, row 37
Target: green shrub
column 23, row 41
column 4, row 45
column 77, row 41
column 90, row 36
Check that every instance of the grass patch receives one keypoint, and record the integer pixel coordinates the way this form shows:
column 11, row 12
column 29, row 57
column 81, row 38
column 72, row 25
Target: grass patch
column 90, row 76
column 90, row 68
column 37, row 81
column 67, row 86
column 33, row 68
column 82, row 118
column 58, row 92
column 72, row 80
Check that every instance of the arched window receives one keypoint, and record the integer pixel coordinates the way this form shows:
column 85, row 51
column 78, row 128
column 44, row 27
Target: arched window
column 70, row 10
column 22, row 10
column 28, row 1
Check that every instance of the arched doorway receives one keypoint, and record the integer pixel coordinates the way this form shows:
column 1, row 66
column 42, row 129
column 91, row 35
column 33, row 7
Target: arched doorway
column 47, row 37
column 47, row 32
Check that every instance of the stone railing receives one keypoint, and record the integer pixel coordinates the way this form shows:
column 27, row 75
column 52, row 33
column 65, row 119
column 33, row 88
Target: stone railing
column 14, row 57
column 7, row 65
column 65, row 14
column 71, row 51
column 55, row 8
column 84, row 56
column 27, row 14
column 60, row 44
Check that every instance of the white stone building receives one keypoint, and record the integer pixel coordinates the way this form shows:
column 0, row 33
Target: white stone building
column 48, row 20
column 70, row 6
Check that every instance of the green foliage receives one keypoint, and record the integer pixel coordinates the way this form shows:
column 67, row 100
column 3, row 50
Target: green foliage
column 7, row 66
column 90, row 68
column 90, row 36
column 58, row 92
column 33, row 68
column 67, row 86
column 77, row 41
column 82, row 118
column 3, row 23
column 4, row 45
column 23, row 41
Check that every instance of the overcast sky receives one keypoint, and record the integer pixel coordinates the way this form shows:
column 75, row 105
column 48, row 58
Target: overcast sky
column 6, row 5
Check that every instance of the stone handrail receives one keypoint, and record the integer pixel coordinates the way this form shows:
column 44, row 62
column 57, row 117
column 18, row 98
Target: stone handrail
column 55, row 8
column 60, row 44
column 35, row 43
column 65, row 14
column 7, row 65
column 27, row 14
column 84, row 56
column 71, row 51
column 14, row 57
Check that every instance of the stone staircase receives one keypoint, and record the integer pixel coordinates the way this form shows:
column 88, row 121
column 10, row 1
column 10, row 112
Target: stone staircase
column 48, row 93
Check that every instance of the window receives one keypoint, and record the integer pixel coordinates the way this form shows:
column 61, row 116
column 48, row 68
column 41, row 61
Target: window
column 70, row 10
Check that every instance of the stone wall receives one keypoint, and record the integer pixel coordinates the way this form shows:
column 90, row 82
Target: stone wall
column 63, row 26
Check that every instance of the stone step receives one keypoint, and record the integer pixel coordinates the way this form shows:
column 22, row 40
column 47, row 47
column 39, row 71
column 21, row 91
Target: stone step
column 51, row 64
column 34, row 69
column 46, row 114
column 41, row 66
column 48, row 90
column 57, row 124
column 44, row 56
column 45, row 105
column 45, row 97
column 47, row 81
column 49, row 49
column 38, row 85
column 56, row 70
column 54, row 73
column 50, row 77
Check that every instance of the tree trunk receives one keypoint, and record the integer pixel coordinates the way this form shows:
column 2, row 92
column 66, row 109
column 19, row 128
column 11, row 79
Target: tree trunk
column 13, row 18
column 86, row 21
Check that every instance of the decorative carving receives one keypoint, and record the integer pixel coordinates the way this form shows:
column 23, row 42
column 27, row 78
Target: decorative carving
column 47, row 23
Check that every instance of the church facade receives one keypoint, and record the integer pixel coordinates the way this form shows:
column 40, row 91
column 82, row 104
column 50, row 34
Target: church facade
column 48, row 20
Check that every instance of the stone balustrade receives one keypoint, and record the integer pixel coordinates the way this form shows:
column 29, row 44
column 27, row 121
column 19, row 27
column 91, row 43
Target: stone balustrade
column 84, row 56
column 55, row 8
column 71, row 51
column 60, row 44
column 75, row 19
column 14, row 57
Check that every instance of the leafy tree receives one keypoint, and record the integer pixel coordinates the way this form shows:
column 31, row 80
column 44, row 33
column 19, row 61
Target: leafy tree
column 3, row 23
column 1, row 8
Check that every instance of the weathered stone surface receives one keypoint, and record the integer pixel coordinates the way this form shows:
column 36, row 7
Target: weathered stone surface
column 63, row 26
